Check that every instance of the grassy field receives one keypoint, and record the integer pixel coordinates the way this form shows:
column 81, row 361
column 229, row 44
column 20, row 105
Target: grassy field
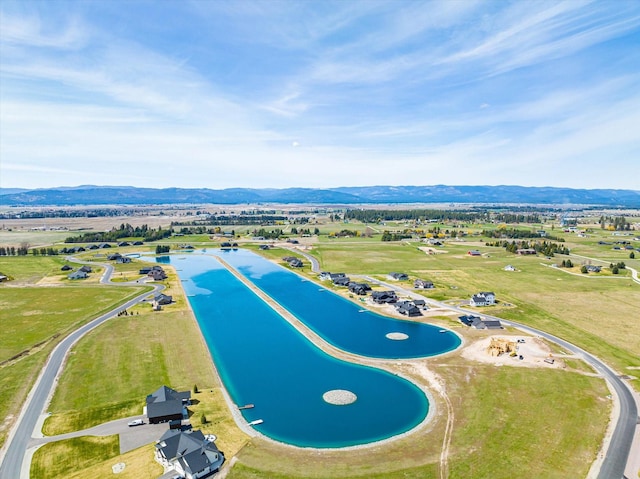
column 508, row 422
column 35, row 318
column 33, row 315
column 87, row 451
column 596, row 313
column 89, row 457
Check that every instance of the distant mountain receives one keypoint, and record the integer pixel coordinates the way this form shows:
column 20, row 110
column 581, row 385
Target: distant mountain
column 11, row 191
column 128, row 195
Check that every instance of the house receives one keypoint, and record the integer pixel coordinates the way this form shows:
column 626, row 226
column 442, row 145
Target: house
column 138, row 243
column 525, row 251
column 148, row 269
column 3, row 278
column 342, row 281
column 422, row 284
column 157, row 274
column 163, row 299
column 93, row 246
column 398, row 276
column 114, row 256
column 76, row 249
column 66, row 267
column 85, row 268
column 78, row 275
column 359, row 288
column 420, row 303
column 104, row 245
column 166, row 405
column 264, row 246
column 225, row 245
column 593, row 269
column 124, row 243
column 408, row 308
column 382, row 297
column 478, row 323
column 509, row 268
column 123, row 259
column 293, row 261
column 474, row 252
column 483, row 299
column 190, row 453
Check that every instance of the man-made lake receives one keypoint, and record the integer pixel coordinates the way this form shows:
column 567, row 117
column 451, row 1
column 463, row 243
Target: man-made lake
column 338, row 320
column 265, row 361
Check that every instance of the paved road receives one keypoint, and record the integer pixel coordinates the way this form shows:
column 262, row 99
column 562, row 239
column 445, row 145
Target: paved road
column 38, row 399
column 619, row 450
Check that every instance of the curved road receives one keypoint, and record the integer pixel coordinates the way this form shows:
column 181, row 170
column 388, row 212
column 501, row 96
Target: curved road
column 37, row 400
column 619, row 450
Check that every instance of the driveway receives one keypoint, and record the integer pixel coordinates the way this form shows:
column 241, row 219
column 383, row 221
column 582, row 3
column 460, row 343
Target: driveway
column 130, row 437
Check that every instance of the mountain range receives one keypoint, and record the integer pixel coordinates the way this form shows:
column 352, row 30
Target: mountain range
column 129, row 195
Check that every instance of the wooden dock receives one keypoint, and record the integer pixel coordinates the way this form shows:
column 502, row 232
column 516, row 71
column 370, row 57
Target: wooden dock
column 246, row 406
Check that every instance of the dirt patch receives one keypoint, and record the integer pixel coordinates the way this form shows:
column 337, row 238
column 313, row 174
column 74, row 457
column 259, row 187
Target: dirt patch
column 534, row 353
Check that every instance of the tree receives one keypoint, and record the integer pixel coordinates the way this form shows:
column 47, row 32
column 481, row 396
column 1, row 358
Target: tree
column 203, row 419
column 584, row 270
column 569, row 264
column 195, row 389
column 615, row 270
column 632, row 255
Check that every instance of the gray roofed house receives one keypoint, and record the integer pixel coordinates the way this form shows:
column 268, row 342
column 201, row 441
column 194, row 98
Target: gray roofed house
column 163, row 299
column 66, row 267
column 408, row 308
column 85, row 268
column 398, row 276
column 423, row 284
column 166, row 404
column 78, row 275
column 384, row 297
column 190, row 453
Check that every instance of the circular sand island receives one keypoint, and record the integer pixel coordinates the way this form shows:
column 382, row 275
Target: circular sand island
column 339, row 397
column 397, row 336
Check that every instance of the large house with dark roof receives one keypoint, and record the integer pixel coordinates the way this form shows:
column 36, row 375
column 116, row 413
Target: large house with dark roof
column 190, row 453
column 166, row 405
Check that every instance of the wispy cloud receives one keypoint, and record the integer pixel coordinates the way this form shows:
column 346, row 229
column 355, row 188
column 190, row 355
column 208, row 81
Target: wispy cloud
column 208, row 93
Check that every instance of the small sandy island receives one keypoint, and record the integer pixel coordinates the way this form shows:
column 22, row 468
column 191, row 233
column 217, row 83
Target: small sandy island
column 499, row 350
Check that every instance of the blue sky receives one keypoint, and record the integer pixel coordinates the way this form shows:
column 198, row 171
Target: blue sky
column 274, row 93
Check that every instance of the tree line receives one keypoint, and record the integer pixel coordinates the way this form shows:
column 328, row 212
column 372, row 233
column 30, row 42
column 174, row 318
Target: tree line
column 124, row 231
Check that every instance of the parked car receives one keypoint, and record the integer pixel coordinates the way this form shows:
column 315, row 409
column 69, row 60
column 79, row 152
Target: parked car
column 135, row 422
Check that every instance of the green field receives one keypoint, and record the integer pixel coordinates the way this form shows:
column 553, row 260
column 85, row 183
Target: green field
column 595, row 311
column 507, row 421
column 36, row 317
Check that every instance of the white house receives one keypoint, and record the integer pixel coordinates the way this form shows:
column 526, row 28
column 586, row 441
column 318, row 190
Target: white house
column 509, row 268
column 190, row 453
column 483, row 298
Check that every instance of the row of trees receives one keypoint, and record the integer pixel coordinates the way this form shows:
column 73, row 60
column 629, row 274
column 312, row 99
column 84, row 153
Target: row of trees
column 618, row 223
column 396, row 235
column 517, row 233
column 547, row 248
column 13, row 251
column 124, row 231
column 376, row 216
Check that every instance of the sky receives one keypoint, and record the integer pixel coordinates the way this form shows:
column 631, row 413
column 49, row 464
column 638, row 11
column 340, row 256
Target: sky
column 223, row 94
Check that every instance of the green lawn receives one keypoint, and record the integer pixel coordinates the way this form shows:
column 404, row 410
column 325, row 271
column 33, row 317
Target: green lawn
column 58, row 459
column 32, row 315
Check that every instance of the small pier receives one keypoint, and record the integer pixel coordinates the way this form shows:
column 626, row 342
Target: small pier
column 246, row 406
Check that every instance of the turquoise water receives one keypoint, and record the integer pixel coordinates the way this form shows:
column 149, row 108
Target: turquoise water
column 336, row 319
column 264, row 361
